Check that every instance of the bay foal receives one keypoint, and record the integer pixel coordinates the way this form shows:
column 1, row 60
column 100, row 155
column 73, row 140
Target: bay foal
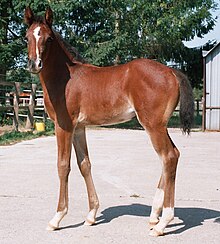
column 77, row 94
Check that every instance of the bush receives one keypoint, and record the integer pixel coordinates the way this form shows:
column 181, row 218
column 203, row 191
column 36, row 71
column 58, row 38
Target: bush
column 5, row 119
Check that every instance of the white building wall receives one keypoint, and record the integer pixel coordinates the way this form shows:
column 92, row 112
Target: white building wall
column 212, row 61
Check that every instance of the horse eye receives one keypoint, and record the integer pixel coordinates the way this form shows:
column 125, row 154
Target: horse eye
column 49, row 39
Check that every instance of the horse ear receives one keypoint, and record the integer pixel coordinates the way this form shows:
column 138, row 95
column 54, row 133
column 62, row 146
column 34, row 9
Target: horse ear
column 28, row 16
column 49, row 16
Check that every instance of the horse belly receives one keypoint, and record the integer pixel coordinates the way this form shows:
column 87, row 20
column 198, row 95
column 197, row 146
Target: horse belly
column 110, row 117
column 120, row 117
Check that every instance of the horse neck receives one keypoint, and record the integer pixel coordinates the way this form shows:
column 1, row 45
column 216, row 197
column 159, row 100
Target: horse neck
column 55, row 72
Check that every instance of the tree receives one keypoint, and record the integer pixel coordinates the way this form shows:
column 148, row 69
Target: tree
column 152, row 29
column 110, row 31
column 12, row 44
column 11, row 35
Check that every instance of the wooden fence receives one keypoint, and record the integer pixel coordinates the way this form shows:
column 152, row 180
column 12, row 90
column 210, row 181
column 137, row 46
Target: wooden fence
column 16, row 96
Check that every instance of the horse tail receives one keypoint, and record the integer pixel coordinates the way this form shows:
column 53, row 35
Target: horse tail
column 186, row 102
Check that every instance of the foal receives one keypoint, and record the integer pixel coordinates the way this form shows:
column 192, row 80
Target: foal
column 78, row 94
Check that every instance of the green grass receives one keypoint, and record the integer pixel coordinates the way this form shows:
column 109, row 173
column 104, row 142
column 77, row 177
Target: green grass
column 13, row 137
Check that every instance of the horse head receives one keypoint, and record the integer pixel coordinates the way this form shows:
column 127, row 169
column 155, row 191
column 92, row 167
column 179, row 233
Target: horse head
column 39, row 38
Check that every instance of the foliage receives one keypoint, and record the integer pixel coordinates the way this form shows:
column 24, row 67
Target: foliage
column 12, row 137
column 198, row 93
column 11, row 34
column 5, row 119
column 49, row 126
column 18, row 75
column 16, row 136
column 109, row 31
column 104, row 30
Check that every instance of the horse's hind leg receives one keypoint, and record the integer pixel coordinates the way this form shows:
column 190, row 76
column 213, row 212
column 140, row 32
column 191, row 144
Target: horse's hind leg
column 165, row 193
column 159, row 197
column 164, row 197
column 79, row 142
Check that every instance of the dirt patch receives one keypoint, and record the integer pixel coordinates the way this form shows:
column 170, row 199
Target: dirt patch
column 5, row 128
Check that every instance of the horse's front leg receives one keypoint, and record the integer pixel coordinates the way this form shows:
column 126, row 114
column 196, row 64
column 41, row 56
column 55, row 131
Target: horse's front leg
column 64, row 144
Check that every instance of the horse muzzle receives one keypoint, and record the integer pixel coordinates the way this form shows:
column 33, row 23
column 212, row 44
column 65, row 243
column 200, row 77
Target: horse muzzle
column 35, row 66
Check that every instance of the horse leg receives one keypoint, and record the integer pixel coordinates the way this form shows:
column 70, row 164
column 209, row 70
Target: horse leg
column 64, row 143
column 157, row 204
column 159, row 197
column 165, row 193
column 80, row 145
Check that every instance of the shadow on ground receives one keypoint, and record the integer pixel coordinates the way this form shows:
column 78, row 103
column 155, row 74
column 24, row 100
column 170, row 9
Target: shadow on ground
column 191, row 217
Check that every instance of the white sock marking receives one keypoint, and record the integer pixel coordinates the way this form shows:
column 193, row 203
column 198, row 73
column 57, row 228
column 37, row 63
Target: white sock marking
column 157, row 205
column 58, row 217
column 167, row 216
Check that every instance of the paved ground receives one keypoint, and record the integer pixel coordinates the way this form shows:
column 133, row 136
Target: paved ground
column 124, row 166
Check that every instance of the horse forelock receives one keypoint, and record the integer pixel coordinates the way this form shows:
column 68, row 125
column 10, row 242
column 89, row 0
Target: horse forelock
column 39, row 19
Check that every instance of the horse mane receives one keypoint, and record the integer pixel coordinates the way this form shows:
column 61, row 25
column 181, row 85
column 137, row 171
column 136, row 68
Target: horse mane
column 69, row 50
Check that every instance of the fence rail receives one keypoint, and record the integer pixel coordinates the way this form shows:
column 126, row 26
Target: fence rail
column 15, row 98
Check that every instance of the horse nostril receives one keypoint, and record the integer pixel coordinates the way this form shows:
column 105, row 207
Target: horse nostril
column 40, row 65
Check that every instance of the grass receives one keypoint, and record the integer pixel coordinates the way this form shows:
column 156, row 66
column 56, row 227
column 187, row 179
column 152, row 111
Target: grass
column 12, row 137
column 15, row 136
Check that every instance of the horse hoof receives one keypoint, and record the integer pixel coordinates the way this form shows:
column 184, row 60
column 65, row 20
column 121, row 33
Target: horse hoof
column 89, row 222
column 155, row 233
column 51, row 227
column 152, row 224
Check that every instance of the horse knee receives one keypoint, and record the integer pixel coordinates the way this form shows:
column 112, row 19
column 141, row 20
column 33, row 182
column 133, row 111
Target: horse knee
column 63, row 170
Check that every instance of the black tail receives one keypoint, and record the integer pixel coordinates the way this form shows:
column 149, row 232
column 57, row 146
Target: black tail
column 186, row 103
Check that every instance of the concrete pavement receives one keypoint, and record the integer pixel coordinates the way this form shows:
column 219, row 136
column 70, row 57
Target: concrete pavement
column 126, row 171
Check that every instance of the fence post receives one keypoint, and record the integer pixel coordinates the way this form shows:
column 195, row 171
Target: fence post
column 45, row 115
column 31, row 107
column 16, row 105
column 197, row 107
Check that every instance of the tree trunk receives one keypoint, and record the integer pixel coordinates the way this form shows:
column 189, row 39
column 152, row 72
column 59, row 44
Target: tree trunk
column 4, row 31
column 117, row 22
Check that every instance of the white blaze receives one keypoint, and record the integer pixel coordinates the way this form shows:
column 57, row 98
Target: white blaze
column 37, row 37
